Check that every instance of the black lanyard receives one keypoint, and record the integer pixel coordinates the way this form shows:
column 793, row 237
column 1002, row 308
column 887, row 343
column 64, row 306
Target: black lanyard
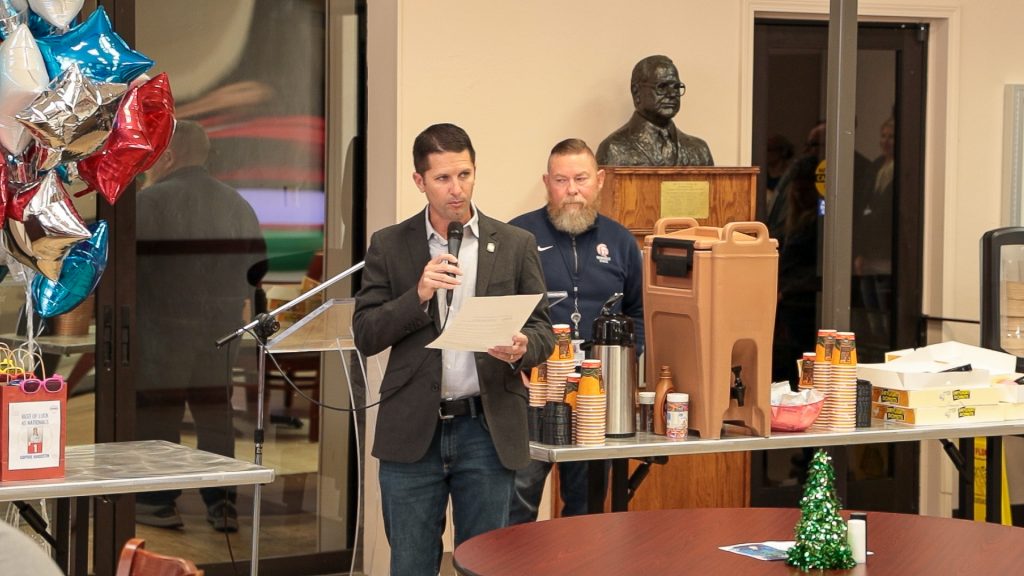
column 575, row 270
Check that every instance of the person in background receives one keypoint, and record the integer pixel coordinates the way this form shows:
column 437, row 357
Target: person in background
column 590, row 257
column 451, row 425
column 799, row 279
column 873, row 238
column 814, row 151
column 650, row 137
column 794, row 221
column 199, row 246
column 778, row 158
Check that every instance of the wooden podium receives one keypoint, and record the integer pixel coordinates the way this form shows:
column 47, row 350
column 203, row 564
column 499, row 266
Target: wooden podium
column 637, row 197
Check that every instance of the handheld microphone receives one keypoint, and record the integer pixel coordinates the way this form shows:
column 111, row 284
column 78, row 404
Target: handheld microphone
column 454, row 243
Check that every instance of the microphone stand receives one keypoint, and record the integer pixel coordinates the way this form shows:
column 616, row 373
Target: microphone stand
column 264, row 326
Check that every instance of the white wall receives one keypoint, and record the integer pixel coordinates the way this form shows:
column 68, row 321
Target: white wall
column 520, row 76
column 535, row 72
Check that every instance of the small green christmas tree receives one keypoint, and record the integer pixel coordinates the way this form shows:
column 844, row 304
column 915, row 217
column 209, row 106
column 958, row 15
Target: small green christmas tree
column 821, row 532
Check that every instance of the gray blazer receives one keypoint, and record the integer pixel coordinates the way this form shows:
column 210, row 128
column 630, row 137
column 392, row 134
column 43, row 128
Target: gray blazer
column 388, row 313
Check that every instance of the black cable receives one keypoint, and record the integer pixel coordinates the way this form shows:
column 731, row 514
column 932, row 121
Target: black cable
column 35, row 521
column 315, row 402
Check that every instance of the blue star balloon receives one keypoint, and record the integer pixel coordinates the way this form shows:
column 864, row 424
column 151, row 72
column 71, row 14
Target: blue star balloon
column 38, row 26
column 79, row 275
column 102, row 55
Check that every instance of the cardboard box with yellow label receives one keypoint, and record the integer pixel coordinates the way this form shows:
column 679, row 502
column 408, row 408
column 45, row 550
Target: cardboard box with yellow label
column 937, row 414
column 945, row 396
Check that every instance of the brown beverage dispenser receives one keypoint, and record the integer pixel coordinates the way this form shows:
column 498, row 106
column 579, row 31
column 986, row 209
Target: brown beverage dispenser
column 709, row 312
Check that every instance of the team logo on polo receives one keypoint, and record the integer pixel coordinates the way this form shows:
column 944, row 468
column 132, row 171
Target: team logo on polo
column 602, row 254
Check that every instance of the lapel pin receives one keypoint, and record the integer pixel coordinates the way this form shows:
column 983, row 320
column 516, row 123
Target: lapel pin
column 490, row 246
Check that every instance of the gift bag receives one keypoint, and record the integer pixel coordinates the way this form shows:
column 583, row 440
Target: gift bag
column 33, row 431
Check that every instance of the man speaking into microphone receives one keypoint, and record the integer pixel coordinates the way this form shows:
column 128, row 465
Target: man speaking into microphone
column 451, row 424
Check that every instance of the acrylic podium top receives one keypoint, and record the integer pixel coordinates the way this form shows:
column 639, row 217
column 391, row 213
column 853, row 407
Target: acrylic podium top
column 329, row 327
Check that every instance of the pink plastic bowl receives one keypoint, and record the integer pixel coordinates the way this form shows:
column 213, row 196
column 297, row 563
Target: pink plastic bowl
column 795, row 418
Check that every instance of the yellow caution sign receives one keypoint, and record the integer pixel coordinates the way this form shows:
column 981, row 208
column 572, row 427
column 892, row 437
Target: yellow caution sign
column 980, row 474
column 819, row 178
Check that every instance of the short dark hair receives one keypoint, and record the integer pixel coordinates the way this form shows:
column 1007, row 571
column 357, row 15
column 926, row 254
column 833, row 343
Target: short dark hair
column 646, row 67
column 437, row 139
column 190, row 144
column 571, row 146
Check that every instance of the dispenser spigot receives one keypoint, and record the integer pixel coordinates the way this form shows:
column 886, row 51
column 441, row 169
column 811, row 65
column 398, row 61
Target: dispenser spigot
column 738, row 389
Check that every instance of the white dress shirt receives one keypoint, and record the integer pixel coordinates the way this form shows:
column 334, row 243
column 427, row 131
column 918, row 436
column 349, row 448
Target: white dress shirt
column 458, row 372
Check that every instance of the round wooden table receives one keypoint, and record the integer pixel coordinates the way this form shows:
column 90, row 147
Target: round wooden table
column 687, row 542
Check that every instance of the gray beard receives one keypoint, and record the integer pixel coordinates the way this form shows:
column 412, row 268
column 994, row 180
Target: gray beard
column 573, row 222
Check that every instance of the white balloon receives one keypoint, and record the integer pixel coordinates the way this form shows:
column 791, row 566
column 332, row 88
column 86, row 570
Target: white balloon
column 22, row 78
column 60, row 13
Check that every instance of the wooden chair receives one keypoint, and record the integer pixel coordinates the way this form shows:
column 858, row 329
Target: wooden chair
column 136, row 561
column 303, row 369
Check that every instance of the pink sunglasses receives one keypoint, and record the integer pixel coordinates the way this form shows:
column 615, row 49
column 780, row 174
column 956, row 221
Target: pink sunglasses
column 53, row 384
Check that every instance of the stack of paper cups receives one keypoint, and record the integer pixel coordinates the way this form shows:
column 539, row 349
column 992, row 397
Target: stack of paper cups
column 844, row 383
column 557, row 372
column 823, row 374
column 591, row 410
column 538, row 386
column 807, row 371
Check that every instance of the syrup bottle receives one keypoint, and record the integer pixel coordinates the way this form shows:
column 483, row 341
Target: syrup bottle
column 663, row 387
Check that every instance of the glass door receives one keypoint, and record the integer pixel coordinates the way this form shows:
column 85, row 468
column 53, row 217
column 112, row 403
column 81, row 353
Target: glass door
column 257, row 198
column 232, row 221
column 789, row 145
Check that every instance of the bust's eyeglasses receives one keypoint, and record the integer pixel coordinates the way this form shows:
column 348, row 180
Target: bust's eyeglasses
column 663, row 88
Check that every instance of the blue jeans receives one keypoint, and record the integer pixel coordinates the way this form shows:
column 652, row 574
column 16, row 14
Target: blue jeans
column 529, row 488
column 462, row 464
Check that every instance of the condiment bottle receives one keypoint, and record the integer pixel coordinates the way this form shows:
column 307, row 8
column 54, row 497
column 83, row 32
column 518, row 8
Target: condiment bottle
column 663, row 387
column 677, row 415
column 646, row 412
column 857, row 535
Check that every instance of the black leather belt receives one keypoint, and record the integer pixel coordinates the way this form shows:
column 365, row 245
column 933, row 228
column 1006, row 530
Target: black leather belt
column 461, row 407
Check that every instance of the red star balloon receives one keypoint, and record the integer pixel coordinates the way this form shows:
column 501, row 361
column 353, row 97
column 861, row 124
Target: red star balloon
column 141, row 132
column 3, row 193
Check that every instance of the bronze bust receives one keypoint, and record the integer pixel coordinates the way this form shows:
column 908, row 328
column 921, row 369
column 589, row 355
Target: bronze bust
column 650, row 138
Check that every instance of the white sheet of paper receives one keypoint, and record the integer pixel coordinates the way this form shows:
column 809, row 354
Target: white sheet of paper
column 770, row 550
column 486, row 321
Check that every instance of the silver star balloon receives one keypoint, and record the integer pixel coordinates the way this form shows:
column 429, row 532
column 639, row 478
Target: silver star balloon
column 73, row 117
column 50, row 226
column 27, row 169
column 12, row 13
